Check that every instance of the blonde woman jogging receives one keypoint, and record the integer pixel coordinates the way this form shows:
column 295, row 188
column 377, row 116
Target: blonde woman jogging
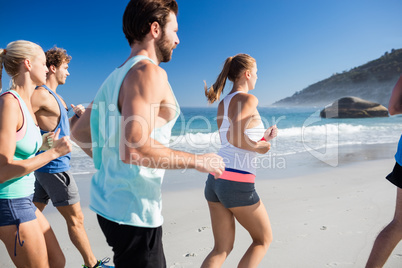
column 24, row 230
column 233, row 195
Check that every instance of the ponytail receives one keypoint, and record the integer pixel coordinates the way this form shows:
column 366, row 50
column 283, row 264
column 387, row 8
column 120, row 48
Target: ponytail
column 232, row 70
column 214, row 92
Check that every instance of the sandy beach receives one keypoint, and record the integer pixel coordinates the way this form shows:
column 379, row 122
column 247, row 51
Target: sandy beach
column 321, row 216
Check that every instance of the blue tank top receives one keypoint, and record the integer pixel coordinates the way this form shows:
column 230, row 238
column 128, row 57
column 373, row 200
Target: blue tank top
column 25, row 148
column 123, row 193
column 398, row 155
column 62, row 163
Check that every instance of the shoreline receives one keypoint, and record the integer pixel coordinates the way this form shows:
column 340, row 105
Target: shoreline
column 312, row 206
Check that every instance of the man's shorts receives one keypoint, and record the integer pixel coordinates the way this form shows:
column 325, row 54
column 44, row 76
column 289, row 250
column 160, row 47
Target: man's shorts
column 395, row 177
column 134, row 246
column 230, row 193
column 59, row 187
column 16, row 211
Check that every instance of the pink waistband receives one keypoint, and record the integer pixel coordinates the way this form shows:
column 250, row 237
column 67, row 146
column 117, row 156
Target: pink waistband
column 235, row 176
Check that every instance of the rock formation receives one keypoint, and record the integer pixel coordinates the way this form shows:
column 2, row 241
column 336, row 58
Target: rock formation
column 353, row 107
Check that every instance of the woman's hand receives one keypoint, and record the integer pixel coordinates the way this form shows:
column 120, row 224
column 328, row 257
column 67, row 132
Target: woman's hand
column 47, row 141
column 271, row 133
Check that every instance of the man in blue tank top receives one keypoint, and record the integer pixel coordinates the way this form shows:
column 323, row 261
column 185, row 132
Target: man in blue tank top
column 127, row 131
column 54, row 181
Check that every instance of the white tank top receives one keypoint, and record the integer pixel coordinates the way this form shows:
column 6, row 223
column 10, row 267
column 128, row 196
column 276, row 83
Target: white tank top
column 234, row 157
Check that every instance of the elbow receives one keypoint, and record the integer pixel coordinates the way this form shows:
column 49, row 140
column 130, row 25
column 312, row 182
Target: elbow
column 129, row 157
column 132, row 156
column 394, row 109
column 391, row 111
column 134, row 152
column 5, row 178
column 7, row 175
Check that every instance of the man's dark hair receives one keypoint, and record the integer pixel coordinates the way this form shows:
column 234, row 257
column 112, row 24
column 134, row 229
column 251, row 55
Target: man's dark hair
column 140, row 14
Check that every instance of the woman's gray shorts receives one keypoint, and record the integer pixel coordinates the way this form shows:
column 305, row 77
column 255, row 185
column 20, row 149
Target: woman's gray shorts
column 230, row 193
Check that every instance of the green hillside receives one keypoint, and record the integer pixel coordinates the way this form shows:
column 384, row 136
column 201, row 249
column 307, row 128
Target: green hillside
column 372, row 81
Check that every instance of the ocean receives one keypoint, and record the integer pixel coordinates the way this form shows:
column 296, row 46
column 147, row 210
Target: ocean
column 300, row 130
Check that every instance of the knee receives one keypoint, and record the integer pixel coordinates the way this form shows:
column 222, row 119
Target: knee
column 264, row 241
column 223, row 249
column 396, row 226
column 60, row 261
column 76, row 220
column 267, row 241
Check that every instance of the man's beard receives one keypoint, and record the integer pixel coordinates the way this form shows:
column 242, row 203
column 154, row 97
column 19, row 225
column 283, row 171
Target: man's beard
column 163, row 50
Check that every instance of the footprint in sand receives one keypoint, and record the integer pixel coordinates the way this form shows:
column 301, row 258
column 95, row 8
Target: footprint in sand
column 190, row 255
column 202, row 229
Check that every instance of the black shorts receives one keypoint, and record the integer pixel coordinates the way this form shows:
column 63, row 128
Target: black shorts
column 134, row 246
column 395, row 177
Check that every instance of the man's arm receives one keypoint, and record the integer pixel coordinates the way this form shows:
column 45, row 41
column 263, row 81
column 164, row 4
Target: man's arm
column 142, row 93
column 78, row 110
column 81, row 131
column 38, row 99
column 395, row 103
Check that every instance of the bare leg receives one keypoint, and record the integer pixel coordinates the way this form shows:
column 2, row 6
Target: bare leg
column 38, row 238
column 223, row 227
column 388, row 238
column 255, row 220
column 40, row 206
column 54, row 252
column 78, row 236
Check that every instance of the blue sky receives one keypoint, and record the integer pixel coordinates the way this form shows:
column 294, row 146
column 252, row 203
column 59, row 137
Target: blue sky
column 296, row 43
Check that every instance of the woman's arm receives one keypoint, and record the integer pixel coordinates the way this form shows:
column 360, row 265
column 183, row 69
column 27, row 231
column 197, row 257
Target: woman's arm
column 10, row 168
column 395, row 103
column 241, row 113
